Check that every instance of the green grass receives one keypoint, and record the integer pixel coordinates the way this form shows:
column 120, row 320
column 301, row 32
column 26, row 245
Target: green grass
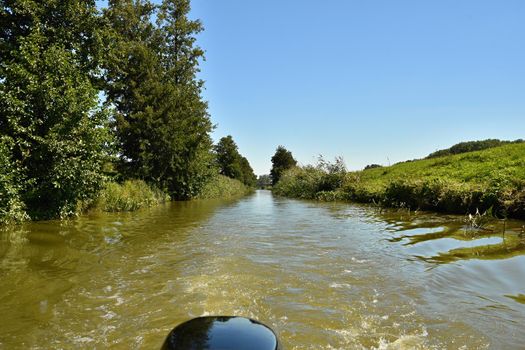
column 131, row 195
column 223, row 187
column 492, row 178
column 475, row 168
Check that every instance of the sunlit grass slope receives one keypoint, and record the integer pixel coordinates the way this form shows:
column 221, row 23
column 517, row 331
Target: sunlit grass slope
column 481, row 180
column 475, row 168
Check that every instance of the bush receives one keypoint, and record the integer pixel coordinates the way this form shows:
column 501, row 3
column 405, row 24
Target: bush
column 333, row 174
column 129, row 196
column 221, row 186
column 372, row 166
column 299, row 182
column 12, row 208
column 307, row 182
column 49, row 104
column 492, row 180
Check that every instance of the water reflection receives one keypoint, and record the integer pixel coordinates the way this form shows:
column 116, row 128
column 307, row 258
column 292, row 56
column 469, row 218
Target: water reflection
column 221, row 332
column 452, row 239
column 479, row 271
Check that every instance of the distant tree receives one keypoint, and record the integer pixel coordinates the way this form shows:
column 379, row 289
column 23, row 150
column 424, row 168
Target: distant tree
column 264, row 181
column 373, row 166
column 228, row 158
column 470, row 146
column 231, row 163
column 50, row 117
column 281, row 161
column 248, row 176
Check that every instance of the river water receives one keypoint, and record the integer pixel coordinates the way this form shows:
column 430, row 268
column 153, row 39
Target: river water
column 322, row 275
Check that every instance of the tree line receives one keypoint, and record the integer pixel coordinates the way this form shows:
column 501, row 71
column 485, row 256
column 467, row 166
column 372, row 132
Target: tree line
column 89, row 95
column 471, row 146
column 232, row 164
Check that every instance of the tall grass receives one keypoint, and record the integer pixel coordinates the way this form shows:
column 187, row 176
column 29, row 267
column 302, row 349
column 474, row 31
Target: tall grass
column 488, row 179
column 313, row 182
column 221, row 186
column 129, row 196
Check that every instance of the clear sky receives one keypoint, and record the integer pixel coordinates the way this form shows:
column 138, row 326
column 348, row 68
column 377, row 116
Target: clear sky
column 374, row 81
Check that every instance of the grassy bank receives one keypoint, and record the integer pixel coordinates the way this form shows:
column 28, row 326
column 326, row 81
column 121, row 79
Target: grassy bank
column 463, row 183
column 136, row 194
column 129, row 196
column 223, row 187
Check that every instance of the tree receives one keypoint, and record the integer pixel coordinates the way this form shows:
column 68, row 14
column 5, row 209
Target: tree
column 470, row 146
column 372, row 166
column 228, row 158
column 231, row 163
column 161, row 121
column 248, row 177
column 49, row 111
column 281, row 161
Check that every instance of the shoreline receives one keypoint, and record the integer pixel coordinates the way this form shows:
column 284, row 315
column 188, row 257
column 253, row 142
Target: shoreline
column 490, row 181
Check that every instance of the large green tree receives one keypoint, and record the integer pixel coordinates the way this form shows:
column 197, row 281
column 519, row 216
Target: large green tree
column 248, row 176
column 161, row 121
column 281, row 161
column 51, row 123
column 228, row 157
column 231, row 163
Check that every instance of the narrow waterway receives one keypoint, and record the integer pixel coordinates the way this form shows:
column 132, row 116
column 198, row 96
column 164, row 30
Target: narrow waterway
column 322, row 275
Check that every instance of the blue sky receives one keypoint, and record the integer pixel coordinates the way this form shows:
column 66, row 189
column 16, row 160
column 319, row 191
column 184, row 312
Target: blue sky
column 374, row 81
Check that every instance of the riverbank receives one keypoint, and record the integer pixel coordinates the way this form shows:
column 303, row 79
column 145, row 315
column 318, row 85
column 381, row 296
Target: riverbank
column 491, row 180
column 132, row 195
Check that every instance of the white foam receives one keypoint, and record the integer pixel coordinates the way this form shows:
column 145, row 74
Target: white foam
column 414, row 341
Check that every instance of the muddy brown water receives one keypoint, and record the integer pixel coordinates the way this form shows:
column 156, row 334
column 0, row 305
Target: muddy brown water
column 322, row 275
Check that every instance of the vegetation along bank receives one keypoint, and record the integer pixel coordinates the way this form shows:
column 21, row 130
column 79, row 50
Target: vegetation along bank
column 103, row 108
column 490, row 180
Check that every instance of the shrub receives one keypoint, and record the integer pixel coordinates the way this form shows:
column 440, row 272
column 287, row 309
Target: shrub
column 12, row 209
column 306, row 182
column 129, row 196
column 490, row 180
column 299, row 182
column 372, row 166
column 333, row 174
column 221, row 186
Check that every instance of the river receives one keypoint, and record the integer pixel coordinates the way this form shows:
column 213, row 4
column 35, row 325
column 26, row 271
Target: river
column 322, row 275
